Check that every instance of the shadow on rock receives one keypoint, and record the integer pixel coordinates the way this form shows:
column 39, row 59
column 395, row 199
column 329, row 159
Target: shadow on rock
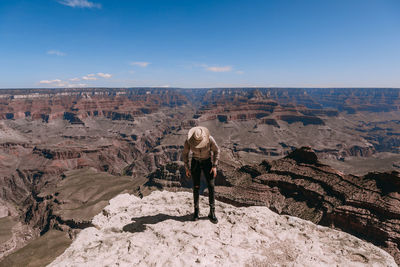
column 139, row 224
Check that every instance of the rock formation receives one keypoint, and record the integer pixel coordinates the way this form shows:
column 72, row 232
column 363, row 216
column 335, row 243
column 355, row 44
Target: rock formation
column 298, row 185
column 75, row 104
column 341, row 122
column 157, row 230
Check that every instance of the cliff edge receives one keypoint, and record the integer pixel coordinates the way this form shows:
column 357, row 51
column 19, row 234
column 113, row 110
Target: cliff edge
column 157, row 231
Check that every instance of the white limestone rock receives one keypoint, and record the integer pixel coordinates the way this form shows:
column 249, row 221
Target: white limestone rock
column 157, row 231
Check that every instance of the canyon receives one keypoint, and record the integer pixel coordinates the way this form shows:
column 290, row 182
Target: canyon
column 64, row 153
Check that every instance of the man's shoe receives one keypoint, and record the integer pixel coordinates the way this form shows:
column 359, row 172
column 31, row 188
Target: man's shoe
column 196, row 214
column 212, row 216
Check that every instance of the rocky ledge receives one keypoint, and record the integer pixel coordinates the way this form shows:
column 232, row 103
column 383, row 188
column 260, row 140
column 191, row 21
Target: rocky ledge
column 157, row 231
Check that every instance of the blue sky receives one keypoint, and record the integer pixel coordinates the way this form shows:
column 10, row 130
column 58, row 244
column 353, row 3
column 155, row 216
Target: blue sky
column 200, row 43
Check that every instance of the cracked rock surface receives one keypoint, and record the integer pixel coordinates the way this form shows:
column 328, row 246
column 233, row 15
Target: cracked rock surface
column 157, row 231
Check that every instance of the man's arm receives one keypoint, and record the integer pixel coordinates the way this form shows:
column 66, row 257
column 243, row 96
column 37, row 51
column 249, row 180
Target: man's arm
column 215, row 150
column 185, row 154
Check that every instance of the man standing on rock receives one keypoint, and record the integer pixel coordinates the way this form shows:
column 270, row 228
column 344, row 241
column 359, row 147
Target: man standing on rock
column 203, row 147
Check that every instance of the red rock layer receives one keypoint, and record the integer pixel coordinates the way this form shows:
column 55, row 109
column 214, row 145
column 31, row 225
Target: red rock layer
column 254, row 105
column 76, row 104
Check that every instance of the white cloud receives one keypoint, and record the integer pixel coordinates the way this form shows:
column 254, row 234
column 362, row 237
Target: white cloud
column 140, row 64
column 89, row 77
column 50, row 81
column 73, row 82
column 60, row 83
column 215, row 68
column 55, row 82
column 56, row 53
column 94, row 77
column 80, row 3
column 104, row 75
column 218, row 69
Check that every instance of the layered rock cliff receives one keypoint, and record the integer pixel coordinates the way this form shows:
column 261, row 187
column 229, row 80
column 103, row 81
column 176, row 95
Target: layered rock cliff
column 75, row 104
column 342, row 122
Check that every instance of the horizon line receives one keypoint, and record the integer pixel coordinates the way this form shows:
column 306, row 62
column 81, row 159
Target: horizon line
column 164, row 87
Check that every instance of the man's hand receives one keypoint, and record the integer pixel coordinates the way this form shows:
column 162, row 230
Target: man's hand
column 187, row 172
column 214, row 171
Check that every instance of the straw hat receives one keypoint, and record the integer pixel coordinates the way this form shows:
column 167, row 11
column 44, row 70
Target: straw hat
column 198, row 137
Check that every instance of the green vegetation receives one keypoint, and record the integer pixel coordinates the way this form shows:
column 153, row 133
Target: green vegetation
column 40, row 251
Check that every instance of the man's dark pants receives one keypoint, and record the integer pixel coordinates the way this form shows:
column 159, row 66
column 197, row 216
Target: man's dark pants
column 197, row 167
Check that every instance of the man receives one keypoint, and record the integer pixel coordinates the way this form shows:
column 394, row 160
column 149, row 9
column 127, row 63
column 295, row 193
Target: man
column 203, row 147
